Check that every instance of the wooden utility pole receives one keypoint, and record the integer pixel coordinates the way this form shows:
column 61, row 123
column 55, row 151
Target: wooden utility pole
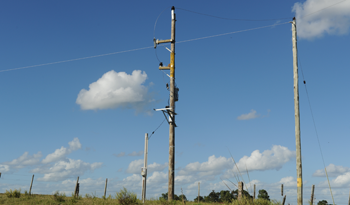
column 31, row 184
column 312, row 194
column 349, row 199
column 171, row 108
column 105, row 189
column 297, row 115
column 144, row 170
column 284, row 199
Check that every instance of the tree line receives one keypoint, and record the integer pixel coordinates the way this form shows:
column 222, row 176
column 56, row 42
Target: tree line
column 222, row 196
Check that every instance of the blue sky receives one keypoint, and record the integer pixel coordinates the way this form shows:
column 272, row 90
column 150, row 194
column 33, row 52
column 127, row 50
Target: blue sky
column 88, row 117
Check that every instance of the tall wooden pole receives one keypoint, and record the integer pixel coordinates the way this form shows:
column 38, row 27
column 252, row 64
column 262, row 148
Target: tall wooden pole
column 312, row 195
column 281, row 189
column 144, row 170
column 31, row 184
column 171, row 174
column 105, row 189
column 349, row 199
column 297, row 115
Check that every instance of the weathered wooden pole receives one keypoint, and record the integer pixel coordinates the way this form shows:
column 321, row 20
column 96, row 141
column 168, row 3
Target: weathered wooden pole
column 198, row 191
column 76, row 187
column 349, row 199
column 284, row 199
column 240, row 190
column 281, row 189
column 31, row 184
column 144, row 169
column 105, row 188
column 297, row 115
column 254, row 192
column 312, row 194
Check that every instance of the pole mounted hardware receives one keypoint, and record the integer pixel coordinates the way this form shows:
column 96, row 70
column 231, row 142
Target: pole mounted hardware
column 170, row 117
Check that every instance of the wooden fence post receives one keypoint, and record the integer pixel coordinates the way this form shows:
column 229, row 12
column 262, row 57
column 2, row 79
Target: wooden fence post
column 281, row 189
column 284, row 199
column 240, row 190
column 254, row 192
column 76, row 190
column 31, row 183
column 105, row 189
column 312, row 194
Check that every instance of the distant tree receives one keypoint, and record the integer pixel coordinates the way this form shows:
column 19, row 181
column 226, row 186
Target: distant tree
column 165, row 197
column 226, row 196
column 244, row 193
column 263, row 194
column 200, row 199
column 212, row 197
column 184, row 197
column 323, row 202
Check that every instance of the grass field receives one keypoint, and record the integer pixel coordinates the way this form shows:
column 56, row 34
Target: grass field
column 56, row 199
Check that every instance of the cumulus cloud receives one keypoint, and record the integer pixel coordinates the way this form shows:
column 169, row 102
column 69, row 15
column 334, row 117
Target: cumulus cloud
column 115, row 90
column 268, row 159
column 61, row 153
column 332, row 171
column 249, row 116
column 56, row 166
column 317, row 17
column 135, row 167
column 63, row 169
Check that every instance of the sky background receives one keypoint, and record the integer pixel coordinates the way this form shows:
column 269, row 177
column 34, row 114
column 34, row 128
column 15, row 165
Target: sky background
column 88, row 117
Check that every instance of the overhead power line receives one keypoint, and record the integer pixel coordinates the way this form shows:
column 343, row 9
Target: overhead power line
column 233, row 19
column 137, row 49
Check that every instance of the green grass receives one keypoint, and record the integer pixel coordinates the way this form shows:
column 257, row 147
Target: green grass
column 59, row 198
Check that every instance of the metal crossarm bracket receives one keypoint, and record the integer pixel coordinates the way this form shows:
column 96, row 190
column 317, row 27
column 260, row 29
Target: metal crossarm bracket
column 170, row 114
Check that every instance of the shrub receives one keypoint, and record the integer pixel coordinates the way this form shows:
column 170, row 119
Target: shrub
column 125, row 197
column 15, row 193
column 59, row 197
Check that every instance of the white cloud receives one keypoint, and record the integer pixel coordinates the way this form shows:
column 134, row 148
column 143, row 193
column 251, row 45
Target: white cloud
column 135, row 167
column 268, row 159
column 332, row 171
column 317, row 17
column 25, row 160
column 60, row 154
column 134, row 153
column 249, row 116
column 63, row 169
column 122, row 154
column 114, row 90
column 4, row 168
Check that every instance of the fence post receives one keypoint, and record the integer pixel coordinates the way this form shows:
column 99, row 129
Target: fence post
column 240, row 190
column 254, row 192
column 284, row 199
column 281, row 189
column 198, row 191
column 105, row 188
column 76, row 190
column 31, row 183
column 312, row 194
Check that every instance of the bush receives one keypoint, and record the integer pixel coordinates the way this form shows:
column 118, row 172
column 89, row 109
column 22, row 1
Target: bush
column 13, row 194
column 125, row 197
column 59, row 197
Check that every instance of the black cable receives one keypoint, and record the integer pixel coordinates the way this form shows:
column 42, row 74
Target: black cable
column 156, row 129
column 233, row 19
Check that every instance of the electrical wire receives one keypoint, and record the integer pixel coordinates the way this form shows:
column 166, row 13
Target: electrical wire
column 322, row 9
column 223, row 34
column 154, row 30
column 137, row 49
column 76, row 59
column 156, row 129
column 233, row 19
column 314, row 123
